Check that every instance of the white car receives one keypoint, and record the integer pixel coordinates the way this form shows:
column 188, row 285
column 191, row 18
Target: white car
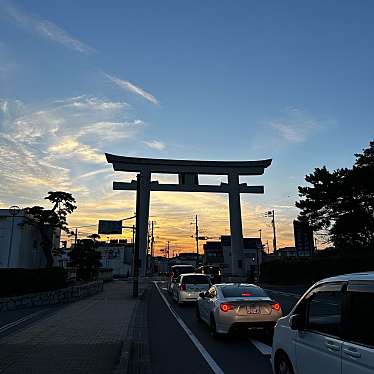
column 228, row 307
column 188, row 286
column 330, row 330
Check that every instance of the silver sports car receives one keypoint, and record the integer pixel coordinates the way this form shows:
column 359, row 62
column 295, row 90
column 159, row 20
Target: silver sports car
column 231, row 306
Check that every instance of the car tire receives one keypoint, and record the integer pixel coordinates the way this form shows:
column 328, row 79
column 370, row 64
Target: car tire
column 213, row 327
column 198, row 316
column 283, row 364
column 178, row 300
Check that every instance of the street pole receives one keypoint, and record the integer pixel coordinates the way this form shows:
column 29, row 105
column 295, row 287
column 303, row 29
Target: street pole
column 168, row 249
column 197, row 241
column 76, row 238
column 13, row 210
column 258, row 258
column 274, row 237
column 135, row 285
column 152, row 242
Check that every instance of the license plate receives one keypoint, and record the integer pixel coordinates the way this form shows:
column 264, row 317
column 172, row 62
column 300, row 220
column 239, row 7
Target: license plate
column 253, row 309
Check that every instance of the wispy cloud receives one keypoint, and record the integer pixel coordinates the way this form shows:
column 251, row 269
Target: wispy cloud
column 155, row 144
column 48, row 146
column 90, row 174
column 128, row 86
column 297, row 126
column 47, row 29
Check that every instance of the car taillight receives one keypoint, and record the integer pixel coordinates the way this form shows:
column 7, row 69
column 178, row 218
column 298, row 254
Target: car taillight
column 183, row 287
column 276, row 306
column 226, row 307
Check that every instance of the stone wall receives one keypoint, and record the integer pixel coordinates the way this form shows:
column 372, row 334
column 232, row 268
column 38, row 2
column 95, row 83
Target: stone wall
column 61, row 296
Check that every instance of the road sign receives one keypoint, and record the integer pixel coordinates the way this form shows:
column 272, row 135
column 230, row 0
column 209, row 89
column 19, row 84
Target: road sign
column 110, row 227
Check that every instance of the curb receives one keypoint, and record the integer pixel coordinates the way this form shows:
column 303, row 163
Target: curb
column 135, row 355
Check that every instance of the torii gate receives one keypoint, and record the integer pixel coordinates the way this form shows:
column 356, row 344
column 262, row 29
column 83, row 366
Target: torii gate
column 188, row 172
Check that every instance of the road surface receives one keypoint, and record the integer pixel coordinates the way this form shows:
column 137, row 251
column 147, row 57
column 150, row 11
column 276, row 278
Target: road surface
column 180, row 344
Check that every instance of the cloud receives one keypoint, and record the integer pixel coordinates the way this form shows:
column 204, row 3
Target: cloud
column 128, row 86
column 48, row 146
column 297, row 126
column 95, row 172
column 47, row 29
column 155, row 144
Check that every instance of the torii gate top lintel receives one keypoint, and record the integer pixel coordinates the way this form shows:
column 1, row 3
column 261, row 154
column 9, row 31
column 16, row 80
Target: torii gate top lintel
column 154, row 165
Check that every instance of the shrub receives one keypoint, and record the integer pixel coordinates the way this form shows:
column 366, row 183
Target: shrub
column 309, row 270
column 22, row 281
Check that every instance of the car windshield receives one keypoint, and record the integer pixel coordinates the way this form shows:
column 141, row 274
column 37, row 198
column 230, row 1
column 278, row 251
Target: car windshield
column 195, row 279
column 243, row 291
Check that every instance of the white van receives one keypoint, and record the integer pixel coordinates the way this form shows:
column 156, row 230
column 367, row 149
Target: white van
column 330, row 329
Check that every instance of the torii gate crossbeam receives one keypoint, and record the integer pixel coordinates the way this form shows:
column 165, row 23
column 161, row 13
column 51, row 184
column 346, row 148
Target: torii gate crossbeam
column 188, row 172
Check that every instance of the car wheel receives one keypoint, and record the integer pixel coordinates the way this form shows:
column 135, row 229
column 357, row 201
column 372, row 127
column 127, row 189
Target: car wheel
column 213, row 327
column 179, row 302
column 198, row 316
column 283, row 364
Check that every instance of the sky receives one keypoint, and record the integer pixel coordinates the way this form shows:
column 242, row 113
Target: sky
column 209, row 80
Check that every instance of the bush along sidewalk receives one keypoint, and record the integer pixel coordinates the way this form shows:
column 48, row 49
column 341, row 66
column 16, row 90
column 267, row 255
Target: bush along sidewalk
column 15, row 282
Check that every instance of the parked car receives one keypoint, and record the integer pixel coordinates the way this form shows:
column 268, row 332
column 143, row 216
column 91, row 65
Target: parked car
column 228, row 307
column 177, row 270
column 330, row 329
column 188, row 286
column 212, row 271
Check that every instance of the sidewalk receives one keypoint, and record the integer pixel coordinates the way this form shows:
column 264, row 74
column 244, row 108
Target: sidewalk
column 83, row 337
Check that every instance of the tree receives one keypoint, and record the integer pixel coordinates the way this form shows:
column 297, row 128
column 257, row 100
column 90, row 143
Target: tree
column 94, row 237
column 342, row 202
column 49, row 219
column 85, row 258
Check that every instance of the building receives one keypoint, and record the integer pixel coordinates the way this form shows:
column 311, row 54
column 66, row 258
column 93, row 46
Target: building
column 20, row 242
column 213, row 254
column 249, row 261
column 117, row 255
column 286, row 252
column 304, row 242
column 186, row 258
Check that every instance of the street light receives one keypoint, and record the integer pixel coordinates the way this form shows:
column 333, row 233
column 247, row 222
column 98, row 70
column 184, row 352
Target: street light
column 13, row 210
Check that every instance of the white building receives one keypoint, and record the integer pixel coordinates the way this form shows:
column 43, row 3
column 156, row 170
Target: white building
column 117, row 255
column 249, row 259
column 22, row 248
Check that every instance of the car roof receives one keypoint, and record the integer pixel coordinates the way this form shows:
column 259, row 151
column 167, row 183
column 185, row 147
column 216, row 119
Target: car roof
column 182, row 266
column 199, row 274
column 364, row 276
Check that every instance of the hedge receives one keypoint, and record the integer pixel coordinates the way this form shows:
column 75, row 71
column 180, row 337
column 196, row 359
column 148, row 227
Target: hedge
column 15, row 282
column 309, row 270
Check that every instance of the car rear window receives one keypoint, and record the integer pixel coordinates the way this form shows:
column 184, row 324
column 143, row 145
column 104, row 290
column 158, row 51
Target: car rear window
column 184, row 270
column 211, row 270
column 243, row 291
column 195, row 279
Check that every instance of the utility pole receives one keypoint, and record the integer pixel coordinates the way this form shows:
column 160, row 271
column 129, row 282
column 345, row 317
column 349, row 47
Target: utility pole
column 197, row 241
column 168, row 248
column 152, row 242
column 76, row 238
column 274, row 237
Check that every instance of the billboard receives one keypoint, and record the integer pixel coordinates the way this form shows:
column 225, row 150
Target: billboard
column 110, row 227
column 303, row 235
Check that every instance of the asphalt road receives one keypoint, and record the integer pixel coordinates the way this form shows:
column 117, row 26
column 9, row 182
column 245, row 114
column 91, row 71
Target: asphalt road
column 173, row 351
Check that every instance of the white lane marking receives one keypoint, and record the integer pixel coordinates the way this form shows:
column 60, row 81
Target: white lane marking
column 164, row 288
column 262, row 347
column 19, row 321
column 208, row 358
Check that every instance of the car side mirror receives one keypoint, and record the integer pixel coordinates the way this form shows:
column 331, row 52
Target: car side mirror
column 202, row 294
column 297, row 322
